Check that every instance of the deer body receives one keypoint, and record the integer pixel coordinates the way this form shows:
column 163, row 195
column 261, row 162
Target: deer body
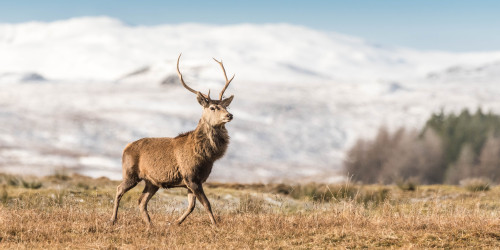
column 184, row 161
column 166, row 162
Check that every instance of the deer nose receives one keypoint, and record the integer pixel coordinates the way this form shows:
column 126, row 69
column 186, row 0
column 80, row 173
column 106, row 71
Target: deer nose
column 230, row 116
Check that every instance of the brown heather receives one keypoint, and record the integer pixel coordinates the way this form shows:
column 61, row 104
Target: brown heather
column 72, row 213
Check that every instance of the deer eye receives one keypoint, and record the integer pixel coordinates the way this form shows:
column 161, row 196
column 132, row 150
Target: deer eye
column 212, row 108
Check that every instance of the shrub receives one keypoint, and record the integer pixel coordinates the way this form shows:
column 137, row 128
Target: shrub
column 251, row 204
column 61, row 175
column 31, row 184
column 410, row 184
column 83, row 185
column 9, row 180
column 323, row 192
column 476, row 184
column 373, row 196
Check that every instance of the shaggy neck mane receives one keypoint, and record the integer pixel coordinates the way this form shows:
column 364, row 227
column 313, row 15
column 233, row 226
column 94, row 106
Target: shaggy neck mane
column 210, row 142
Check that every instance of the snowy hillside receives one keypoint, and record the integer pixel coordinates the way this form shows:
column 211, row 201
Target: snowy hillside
column 73, row 93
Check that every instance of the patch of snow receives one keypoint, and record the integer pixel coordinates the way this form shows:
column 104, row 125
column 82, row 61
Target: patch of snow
column 99, row 161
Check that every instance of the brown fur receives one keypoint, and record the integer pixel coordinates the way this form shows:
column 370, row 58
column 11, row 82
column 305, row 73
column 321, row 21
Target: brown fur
column 184, row 161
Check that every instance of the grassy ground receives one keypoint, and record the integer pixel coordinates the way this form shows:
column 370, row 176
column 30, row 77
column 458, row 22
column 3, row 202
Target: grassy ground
column 73, row 212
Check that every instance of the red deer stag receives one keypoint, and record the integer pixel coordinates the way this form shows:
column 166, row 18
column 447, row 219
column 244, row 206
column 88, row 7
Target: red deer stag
column 184, row 161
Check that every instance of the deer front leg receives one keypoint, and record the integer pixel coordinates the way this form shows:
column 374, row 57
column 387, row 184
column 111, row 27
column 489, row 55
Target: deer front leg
column 192, row 203
column 197, row 189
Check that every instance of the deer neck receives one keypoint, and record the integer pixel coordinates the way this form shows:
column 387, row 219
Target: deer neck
column 210, row 141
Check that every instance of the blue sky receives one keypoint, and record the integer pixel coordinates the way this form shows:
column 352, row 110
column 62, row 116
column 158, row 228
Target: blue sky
column 454, row 25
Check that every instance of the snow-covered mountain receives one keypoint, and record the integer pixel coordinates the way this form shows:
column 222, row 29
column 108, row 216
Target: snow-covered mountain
column 73, row 93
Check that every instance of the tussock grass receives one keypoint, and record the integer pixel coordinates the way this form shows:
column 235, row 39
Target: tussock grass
column 26, row 182
column 316, row 192
column 66, row 214
column 476, row 184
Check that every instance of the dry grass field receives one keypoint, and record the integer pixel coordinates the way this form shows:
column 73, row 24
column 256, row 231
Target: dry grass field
column 73, row 211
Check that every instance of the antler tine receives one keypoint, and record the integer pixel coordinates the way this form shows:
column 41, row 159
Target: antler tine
column 225, row 76
column 185, row 85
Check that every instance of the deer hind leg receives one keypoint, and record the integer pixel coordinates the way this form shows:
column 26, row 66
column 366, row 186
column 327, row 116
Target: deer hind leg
column 125, row 186
column 147, row 193
column 200, row 194
column 192, row 203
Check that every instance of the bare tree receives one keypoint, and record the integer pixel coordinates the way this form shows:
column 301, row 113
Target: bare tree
column 414, row 157
column 489, row 159
column 397, row 156
column 462, row 169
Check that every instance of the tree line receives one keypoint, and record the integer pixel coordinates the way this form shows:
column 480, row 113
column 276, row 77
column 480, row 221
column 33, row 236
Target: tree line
column 448, row 149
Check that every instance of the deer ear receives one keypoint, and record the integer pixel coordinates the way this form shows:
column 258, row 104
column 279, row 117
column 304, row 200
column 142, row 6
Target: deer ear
column 227, row 101
column 202, row 100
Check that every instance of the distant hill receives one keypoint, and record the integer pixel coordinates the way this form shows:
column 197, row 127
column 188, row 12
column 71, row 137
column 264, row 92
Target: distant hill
column 302, row 96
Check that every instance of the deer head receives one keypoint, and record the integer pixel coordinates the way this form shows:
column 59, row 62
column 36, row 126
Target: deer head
column 214, row 111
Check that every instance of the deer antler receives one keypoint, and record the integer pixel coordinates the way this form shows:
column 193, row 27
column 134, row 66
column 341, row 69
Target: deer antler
column 227, row 81
column 185, row 85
